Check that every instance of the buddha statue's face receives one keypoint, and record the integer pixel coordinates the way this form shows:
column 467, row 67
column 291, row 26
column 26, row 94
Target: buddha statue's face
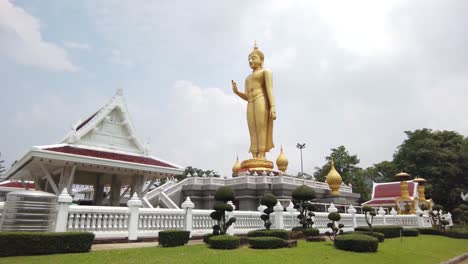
column 255, row 61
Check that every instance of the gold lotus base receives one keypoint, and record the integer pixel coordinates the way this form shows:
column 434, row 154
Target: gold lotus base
column 257, row 165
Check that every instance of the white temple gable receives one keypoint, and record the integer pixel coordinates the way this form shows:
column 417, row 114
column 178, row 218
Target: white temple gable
column 109, row 128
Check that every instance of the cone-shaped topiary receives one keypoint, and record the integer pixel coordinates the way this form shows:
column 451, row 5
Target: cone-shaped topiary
column 302, row 196
column 268, row 200
column 222, row 196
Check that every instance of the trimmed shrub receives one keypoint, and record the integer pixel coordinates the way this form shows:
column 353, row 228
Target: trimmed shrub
column 298, row 228
column 279, row 233
column 429, row 231
column 336, row 229
column 224, row 242
column 269, row 201
column 377, row 235
column 311, row 232
column 410, row 232
column 35, row 243
column 173, row 238
column 388, row 231
column 357, row 243
column 302, row 196
column 266, row 242
column 457, row 232
column 206, row 237
column 222, row 196
column 316, row 239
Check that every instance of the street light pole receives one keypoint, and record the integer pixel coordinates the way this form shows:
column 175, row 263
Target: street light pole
column 301, row 147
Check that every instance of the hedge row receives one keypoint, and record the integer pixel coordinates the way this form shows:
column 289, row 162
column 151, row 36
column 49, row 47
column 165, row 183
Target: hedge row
column 224, row 242
column 206, row 237
column 410, row 232
column 173, row 238
column 357, row 243
column 279, row 233
column 379, row 236
column 35, row 243
column 453, row 232
column 388, row 231
column 266, row 242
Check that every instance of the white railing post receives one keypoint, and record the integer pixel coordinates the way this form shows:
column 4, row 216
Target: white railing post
column 230, row 230
column 448, row 216
column 64, row 200
column 382, row 213
column 394, row 213
column 279, row 220
column 352, row 211
column 332, row 208
column 134, row 204
column 188, row 205
column 291, row 210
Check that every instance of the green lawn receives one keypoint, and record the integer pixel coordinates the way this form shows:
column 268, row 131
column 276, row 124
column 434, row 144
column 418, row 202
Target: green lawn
column 423, row 249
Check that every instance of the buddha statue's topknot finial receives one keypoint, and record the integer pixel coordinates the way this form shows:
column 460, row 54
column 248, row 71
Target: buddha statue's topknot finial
column 257, row 51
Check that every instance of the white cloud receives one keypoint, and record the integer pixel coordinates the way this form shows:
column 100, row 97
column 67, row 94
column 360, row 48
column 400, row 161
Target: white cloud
column 117, row 59
column 22, row 42
column 76, row 45
column 282, row 59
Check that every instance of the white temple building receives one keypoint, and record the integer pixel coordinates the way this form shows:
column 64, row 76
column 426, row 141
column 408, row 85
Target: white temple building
column 102, row 151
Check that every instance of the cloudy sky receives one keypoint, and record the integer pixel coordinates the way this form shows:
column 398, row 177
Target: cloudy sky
column 352, row 73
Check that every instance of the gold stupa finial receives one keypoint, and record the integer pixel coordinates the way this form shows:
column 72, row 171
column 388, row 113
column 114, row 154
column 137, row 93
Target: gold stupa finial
column 282, row 161
column 237, row 166
column 334, row 179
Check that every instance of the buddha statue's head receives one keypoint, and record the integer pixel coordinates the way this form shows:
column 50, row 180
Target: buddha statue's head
column 256, row 58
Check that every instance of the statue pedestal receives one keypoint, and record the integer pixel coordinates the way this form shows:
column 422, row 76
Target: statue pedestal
column 257, row 165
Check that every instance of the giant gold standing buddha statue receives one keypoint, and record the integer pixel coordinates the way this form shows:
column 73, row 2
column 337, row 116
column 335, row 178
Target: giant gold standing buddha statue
column 260, row 112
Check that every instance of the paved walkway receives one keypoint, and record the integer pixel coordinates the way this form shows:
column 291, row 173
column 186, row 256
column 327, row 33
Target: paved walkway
column 109, row 246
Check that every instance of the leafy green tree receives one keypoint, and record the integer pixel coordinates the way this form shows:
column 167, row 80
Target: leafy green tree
column 345, row 164
column 441, row 157
column 383, row 171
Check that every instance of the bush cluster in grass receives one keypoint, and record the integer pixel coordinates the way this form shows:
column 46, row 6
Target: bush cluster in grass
column 173, row 238
column 456, row 232
column 357, row 243
column 311, row 232
column 388, row 231
column 224, row 242
column 410, row 232
column 206, row 237
column 34, row 243
column 379, row 236
column 266, row 242
column 279, row 233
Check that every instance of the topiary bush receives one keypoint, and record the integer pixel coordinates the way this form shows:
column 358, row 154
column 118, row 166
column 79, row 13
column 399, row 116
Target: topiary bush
column 302, row 196
column 379, row 236
column 224, row 242
column 311, row 232
column 39, row 243
column 456, row 232
column 279, row 233
column 357, row 243
column 410, row 232
column 266, row 242
column 268, row 200
column 222, row 196
column 173, row 238
column 336, row 229
column 369, row 214
column 388, row 231
column 206, row 237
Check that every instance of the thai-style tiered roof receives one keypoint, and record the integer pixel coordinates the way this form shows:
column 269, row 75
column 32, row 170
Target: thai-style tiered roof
column 105, row 140
column 384, row 194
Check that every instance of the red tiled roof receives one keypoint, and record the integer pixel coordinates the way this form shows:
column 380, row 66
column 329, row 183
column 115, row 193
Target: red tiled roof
column 30, row 185
column 110, row 155
column 391, row 190
column 378, row 202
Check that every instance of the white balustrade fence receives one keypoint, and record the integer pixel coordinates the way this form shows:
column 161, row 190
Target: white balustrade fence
column 134, row 222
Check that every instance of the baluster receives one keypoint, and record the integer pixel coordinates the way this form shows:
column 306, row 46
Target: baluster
column 71, row 218
column 82, row 221
column 88, row 221
column 104, row 222
column 110, row 223
column 93, row 222
column 99, row 222
column 77, row 221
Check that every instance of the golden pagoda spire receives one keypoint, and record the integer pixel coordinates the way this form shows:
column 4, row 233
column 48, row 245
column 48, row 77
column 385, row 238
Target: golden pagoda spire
column 334, row 179
column 282, row 161
column 237, row 166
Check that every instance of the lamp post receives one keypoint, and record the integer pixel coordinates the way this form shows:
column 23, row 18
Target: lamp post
column 301, row 147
